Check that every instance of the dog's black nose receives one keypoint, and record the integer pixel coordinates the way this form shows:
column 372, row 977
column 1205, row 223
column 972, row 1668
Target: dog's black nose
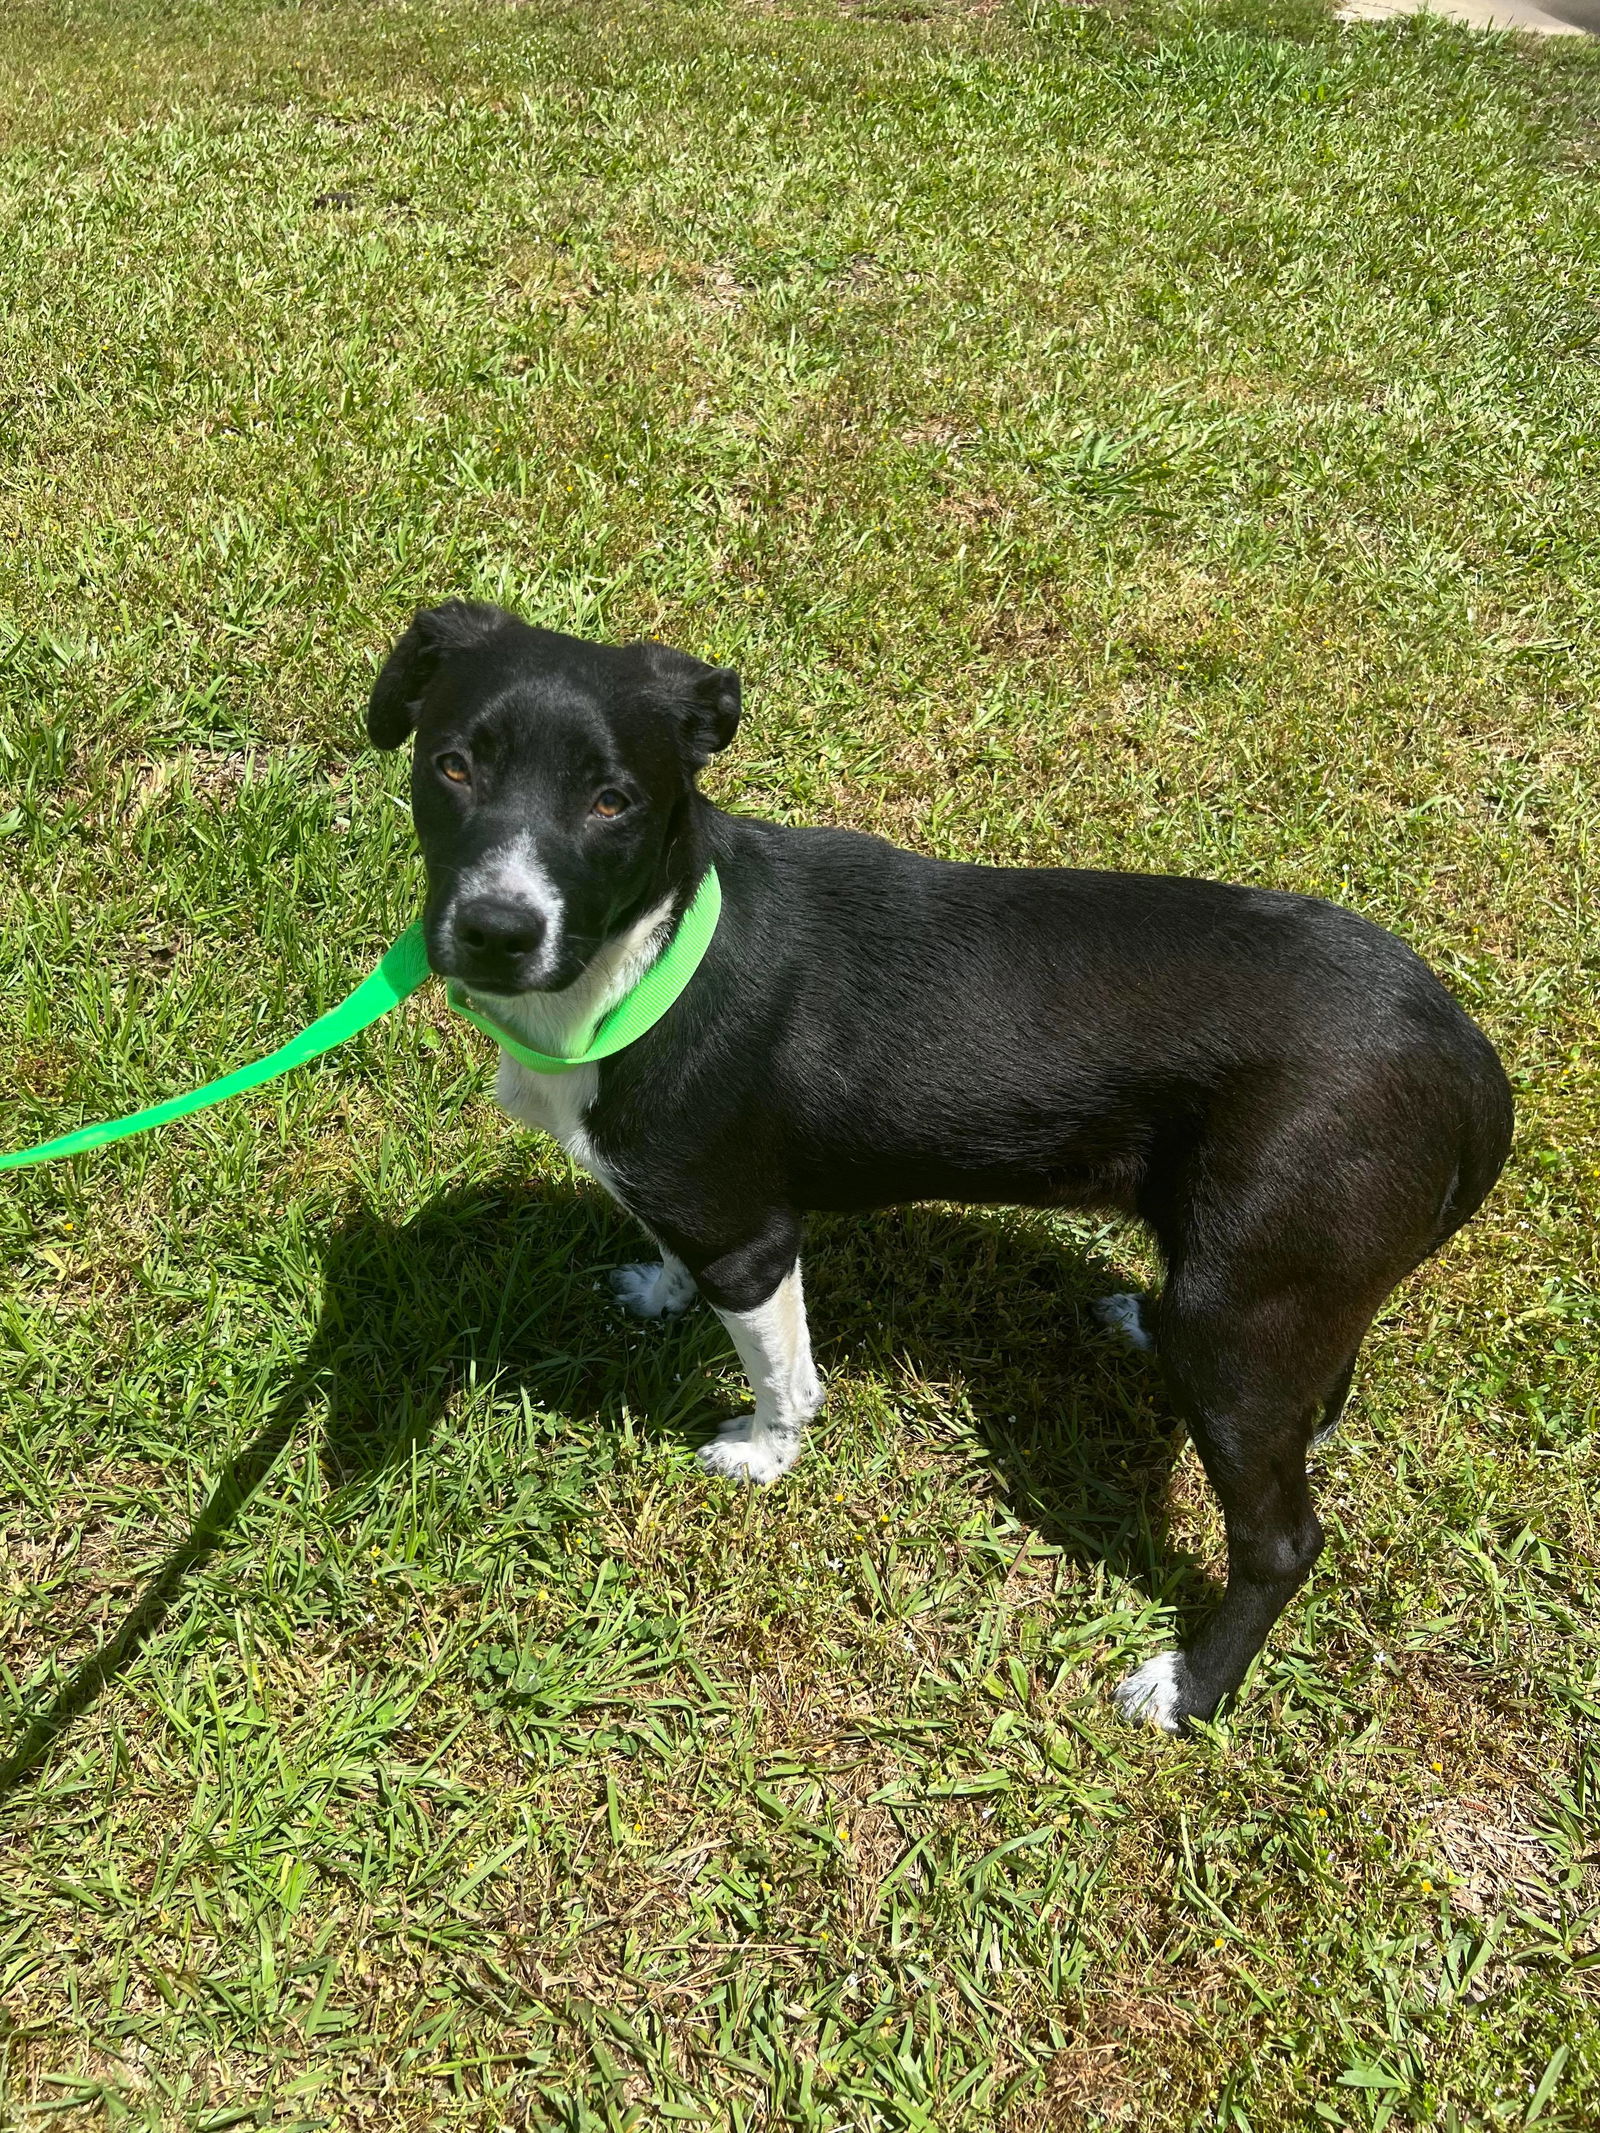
column 493, row 926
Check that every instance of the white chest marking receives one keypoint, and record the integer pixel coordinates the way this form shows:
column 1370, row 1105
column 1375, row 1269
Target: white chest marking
column 556, row 1104
column 556, row 1022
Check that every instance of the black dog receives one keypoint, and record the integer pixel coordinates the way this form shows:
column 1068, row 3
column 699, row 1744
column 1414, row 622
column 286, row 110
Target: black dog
column 1280, row 1089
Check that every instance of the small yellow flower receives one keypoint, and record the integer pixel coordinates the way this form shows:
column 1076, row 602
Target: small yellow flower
column 843, row 1834
column 1436, row 1766
column 1217, row 1943
column 1427, row 1888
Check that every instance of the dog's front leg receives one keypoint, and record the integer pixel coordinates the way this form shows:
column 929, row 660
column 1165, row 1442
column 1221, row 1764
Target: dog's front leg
column 661, row 1289
column 775, row 1348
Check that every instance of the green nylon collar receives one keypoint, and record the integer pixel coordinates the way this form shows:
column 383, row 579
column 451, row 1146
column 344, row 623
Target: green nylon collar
column 401, row 972
column 639, row 1009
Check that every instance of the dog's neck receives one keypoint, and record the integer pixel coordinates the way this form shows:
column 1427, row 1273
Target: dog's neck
column 560, row 1023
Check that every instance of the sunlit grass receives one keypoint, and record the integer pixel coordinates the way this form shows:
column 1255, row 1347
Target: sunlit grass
column 1146, row 439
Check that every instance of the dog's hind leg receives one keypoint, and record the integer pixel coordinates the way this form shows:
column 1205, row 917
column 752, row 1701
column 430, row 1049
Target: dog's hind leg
column 1253, row 1377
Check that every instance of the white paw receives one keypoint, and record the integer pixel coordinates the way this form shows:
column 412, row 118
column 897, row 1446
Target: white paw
column 1124, row 1315
column 1153, row 1694
column 652, row 1291
column 744, row 1453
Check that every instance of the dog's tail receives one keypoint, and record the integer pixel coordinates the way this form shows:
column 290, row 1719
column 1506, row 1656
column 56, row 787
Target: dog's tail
column 1487, row 1131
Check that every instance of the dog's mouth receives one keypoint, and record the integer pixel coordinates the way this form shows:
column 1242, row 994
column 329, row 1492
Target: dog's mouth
column 504, row 977
column 496, row 980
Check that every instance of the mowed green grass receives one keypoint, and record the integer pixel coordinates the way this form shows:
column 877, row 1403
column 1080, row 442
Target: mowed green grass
column 1148, row 439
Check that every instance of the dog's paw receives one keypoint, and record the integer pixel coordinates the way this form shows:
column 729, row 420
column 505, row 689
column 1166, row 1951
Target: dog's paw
column 1124, row 1316
column 645, row 1291
column 741, row 1452
column 1156, row 1694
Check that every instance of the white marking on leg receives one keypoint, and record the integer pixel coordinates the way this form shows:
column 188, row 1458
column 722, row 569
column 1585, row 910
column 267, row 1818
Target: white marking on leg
column 646, row 1291
column 774, row 1346
column 1124, row 1316
column 1154, row 1693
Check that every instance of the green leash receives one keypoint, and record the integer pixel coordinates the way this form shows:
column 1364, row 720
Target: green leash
column 404, row 967
column 402, row 970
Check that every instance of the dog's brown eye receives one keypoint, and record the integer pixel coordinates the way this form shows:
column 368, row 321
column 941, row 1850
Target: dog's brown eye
column 456, row 768
column 611, row 803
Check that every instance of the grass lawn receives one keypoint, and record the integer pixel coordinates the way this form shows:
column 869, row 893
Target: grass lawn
column 1163, row 440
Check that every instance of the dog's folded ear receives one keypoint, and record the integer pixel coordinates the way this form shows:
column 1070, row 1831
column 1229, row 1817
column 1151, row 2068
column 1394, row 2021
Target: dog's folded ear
column 435, row 632
column 703, row 699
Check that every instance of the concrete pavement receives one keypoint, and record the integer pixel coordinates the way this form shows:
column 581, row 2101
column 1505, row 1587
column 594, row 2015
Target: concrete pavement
column 1546, row 18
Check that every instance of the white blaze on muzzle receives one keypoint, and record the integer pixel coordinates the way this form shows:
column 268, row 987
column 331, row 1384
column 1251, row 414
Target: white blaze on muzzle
column 513, row 874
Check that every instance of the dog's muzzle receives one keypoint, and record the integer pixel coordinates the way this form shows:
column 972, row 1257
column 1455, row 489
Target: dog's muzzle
column 499, row 942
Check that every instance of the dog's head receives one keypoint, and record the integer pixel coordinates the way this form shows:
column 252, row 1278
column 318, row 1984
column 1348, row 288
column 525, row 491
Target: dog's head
column 550, row 785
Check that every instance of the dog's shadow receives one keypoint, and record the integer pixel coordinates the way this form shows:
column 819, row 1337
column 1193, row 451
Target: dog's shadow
column 984, row 1314
column 986, row 1318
